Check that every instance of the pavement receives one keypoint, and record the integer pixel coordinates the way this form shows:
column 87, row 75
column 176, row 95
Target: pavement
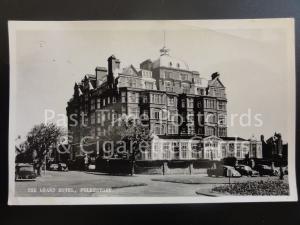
column 88, row 184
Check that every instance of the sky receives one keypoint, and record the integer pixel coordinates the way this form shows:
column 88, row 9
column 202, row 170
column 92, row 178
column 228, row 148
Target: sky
column 252, row 62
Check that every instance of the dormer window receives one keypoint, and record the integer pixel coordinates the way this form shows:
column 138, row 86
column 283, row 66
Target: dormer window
column 178, row 65
column 170, row 64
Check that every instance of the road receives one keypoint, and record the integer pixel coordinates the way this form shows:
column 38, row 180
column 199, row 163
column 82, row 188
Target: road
column 85, row 184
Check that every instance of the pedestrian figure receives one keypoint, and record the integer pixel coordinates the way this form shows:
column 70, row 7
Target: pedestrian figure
column 86, row 162
column 281, row 174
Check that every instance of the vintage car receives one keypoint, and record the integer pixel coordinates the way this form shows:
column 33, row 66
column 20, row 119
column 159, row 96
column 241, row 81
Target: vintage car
column 53, row 167
column 225, row 171
column 25, row 172
column 92, row 167
column 267, row 170
column 62, row 167
column 245, row 170
column 58, row 167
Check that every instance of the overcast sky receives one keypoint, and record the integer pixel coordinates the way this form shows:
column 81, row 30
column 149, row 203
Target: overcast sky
column 252, row 62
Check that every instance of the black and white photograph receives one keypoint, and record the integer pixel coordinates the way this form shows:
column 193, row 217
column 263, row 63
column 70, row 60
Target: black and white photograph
column 157, row 111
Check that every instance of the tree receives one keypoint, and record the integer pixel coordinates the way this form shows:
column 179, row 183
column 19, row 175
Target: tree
column 136, row 136
column 39, row 140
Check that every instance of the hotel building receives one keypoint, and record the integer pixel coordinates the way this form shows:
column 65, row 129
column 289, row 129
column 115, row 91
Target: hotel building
column 186, row 112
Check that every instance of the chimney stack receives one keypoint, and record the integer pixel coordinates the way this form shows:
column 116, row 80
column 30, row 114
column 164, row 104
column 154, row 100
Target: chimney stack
column 215, row 75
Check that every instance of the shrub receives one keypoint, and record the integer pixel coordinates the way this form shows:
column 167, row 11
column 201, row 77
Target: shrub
column 255, row 188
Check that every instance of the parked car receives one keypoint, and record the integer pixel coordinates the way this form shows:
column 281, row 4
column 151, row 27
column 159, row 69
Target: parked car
column 92, row 167
column 53, row 167
column 225, row 171
column 267, row 170
column 25, row 171
column 245, row 170
column 62, row 167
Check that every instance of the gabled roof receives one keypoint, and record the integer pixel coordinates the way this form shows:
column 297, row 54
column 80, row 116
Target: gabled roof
column 216, row 82
column 91, row 87
column 90, row 76
column 127, row 70
column 80, row 91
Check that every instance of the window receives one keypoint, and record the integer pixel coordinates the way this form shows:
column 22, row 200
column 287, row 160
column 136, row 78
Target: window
column 168, row 75
column 98, row 117
column 190, row 116
column 171, row 115
column 123, row 109
column 166, row 151
column 98, row 103
column 231, row 150
column 123, row 97
column 157, row 129
column 92, row 104
column 222, row 119
column 222, row 132
column 170, row 64
column 183, row 76
column 170, row 129
column 183, row 103
column 175, row 150
column 191, row 129
column 184, row 150
column 156, row 115
column 222, row 105
column 185, row 88
column 210, row 118
column 114, row 99
column 93, row 118
column 86, row 120
column 238, row 150
column 210, row 131
column 145, row 115
column 133, row 97
column 93, row 132
column 145, row 99
column 171, row 101
column 108, row 100
column 199, row 104
column 100, row 131
column 168, row 86
column 156, row 99
column 132, row 83
column 149, row 85
column 163, row 129
column 114, row 116
column 209, row 103
column 134, row 112
column 178, row 65
column 190, row 103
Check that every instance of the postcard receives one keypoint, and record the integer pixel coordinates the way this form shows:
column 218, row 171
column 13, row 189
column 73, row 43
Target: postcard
column 152, row 112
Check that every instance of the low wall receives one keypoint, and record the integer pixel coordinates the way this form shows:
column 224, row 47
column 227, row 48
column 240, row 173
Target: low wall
column 163, row 167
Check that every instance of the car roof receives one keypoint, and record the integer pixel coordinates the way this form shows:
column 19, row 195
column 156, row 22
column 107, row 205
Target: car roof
column 24, row 164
